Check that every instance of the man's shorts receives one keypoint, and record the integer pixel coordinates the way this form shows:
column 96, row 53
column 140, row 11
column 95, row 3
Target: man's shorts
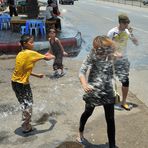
column 122, row 69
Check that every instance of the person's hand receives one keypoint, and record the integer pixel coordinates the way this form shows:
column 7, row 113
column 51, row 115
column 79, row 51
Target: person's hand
column 40, row 75
column 130, row 29
column 117, row 54
column 135, row 41
column 49, row 56
column 87, row 88
column 65, row 53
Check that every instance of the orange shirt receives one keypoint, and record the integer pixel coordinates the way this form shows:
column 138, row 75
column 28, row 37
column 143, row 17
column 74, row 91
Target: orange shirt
column 25, row 61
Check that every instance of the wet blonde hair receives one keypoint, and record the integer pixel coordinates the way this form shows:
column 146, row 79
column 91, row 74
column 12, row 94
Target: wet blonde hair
column 101, row 41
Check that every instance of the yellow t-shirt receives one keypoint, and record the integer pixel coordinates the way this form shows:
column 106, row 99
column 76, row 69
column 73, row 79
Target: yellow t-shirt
column 24, row 64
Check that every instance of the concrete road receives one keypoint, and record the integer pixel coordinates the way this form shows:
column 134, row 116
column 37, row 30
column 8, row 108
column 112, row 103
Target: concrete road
column 62, row 98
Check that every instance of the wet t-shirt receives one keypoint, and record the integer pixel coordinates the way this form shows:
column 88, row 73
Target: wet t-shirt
column 100, row 77
column 24, row 64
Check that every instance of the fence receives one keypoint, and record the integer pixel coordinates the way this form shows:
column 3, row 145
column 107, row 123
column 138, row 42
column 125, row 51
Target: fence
column 138, row 3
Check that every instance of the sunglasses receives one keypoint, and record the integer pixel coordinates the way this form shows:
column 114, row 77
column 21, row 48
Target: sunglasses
column 126, row 22
column 104, row 50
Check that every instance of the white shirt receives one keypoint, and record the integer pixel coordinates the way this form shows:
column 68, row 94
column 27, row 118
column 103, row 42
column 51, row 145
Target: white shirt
column 48, row 12
column 121, row 38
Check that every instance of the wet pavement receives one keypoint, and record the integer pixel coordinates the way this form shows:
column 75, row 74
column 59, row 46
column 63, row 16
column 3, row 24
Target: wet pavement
column 61, row 101
column 57, row 108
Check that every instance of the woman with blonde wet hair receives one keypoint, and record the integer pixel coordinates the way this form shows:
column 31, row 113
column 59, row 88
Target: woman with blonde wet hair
column 98, row 40
column 98, row 87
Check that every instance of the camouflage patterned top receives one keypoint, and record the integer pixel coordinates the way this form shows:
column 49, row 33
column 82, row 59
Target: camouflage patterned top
column 100, row 77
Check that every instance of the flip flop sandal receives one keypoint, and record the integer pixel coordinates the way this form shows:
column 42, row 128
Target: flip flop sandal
column 118, row 107
column 126, row 107
column 80, row 140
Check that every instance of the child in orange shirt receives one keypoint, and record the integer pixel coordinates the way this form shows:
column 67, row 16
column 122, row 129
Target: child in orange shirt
column 25, row 61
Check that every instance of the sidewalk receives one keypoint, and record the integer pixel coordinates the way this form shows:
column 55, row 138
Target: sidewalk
column 131, row 127
column 62, row 100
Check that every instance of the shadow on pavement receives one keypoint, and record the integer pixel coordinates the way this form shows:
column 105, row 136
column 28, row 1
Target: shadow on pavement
column 133, row 104
column 84, row 144
column 19, row 132
column 87, row 144
column 70, row 144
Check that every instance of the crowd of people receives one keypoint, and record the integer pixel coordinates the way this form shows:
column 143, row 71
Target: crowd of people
column 52, row 12
column 107, row 57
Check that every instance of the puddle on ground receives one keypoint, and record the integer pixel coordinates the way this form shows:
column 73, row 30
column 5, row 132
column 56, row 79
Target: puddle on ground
column 70, row 144
column 4, row 137
column 7, row 109
column 66, row 144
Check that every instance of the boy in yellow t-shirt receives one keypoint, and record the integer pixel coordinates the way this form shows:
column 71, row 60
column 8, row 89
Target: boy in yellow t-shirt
column 25, row 61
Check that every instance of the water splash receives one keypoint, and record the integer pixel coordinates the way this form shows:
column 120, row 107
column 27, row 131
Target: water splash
column 8, row 109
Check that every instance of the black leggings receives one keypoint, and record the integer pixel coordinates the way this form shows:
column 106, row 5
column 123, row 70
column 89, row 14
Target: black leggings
column 109, row 116
column 125, row 83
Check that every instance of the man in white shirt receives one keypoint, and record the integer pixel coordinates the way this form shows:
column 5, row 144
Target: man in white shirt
column 120, row 35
